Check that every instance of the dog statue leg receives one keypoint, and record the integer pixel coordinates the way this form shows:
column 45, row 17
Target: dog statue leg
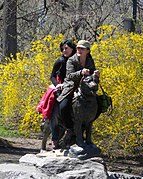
column 88, row 133
column 79, row 134
column 46, row 132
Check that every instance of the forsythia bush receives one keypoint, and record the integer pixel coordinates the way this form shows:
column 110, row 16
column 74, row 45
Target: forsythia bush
column 119, row 58
column 120, row 61
column 24, row 80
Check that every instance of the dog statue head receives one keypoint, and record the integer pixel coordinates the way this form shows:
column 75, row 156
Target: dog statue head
column 89, row 85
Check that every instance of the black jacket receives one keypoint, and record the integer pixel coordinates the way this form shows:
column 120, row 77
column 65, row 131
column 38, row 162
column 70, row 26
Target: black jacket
column 59, row 69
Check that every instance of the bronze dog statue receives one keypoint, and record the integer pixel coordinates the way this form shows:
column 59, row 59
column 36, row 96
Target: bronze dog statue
column 84, row 112
column 85, row 109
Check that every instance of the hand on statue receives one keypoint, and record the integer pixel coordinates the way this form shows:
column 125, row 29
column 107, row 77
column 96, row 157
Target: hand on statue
column 97, row 73
column 85, row 71
column 59, row 86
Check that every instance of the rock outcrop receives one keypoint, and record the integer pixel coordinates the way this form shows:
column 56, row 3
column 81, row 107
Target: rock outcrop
column 56, row 164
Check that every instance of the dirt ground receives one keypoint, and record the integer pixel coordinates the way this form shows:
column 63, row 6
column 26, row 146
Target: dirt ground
column 22, row 146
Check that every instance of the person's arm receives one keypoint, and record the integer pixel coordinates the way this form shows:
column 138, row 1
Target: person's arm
column 90, row 65
column 71, row 72
column 55, row 70
column 93, row 69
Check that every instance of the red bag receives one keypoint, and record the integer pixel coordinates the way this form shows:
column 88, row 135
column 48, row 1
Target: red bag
column 45, row 106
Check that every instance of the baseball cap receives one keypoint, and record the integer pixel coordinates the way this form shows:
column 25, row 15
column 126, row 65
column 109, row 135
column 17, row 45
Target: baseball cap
column 83, row 44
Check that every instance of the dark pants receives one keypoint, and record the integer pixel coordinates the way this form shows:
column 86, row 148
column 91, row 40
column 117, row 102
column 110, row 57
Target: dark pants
column 65, row 107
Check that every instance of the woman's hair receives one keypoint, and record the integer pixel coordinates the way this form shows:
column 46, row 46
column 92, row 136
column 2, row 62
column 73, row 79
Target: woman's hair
column 70, row 43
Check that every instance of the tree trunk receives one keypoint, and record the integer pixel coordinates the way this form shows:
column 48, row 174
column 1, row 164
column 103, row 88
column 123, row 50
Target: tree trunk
column 134, row 10
column 10, row 31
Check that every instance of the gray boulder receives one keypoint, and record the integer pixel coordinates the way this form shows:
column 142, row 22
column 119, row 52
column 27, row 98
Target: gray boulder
column 64, row 167
column 75, row 163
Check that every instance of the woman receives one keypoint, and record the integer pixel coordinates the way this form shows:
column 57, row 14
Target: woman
column 78, row 65
column 68, row 48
